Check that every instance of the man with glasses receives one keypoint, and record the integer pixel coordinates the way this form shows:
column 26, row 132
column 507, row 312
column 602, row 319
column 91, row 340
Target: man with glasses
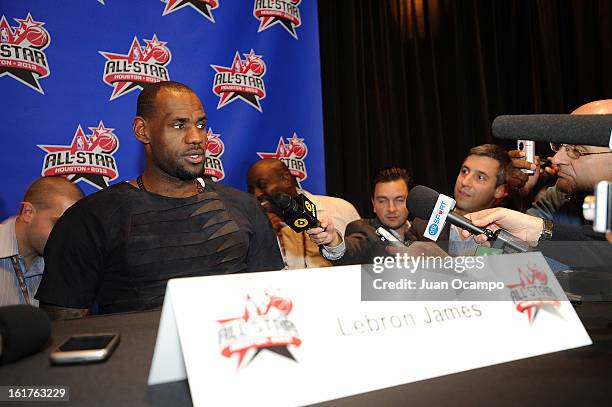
column 579, row 169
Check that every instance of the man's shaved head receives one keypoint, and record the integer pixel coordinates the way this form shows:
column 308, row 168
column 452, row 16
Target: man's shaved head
column 42, row 192
column 596, row 107
column 269, row 176
column 43, row 204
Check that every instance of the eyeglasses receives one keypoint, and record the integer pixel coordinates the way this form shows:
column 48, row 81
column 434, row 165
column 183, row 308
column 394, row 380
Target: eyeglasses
column 572, row 151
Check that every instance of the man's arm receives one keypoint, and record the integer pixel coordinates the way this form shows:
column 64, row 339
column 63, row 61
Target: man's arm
column 74, row 258
column 359, row 242
column 59, row 313
column 263, row 252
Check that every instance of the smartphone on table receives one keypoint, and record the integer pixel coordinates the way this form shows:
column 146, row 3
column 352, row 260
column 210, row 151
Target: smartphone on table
column 85, row 348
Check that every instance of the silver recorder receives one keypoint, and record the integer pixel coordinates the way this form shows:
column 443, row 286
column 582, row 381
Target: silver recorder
column 598, row 207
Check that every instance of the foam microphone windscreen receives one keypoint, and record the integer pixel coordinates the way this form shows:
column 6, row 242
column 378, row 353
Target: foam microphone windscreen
column 421, row 201
column 590, row 130
column 24, row 330
column 283, row 201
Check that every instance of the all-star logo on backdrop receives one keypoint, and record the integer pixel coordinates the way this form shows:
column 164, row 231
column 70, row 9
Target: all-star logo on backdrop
column 293, row 153
column 21, row 51
column 283, row 12
column 532, row 293
column 242, row 80
column 89, row 157
column 203, row 7
column 213, row 166
column 139, row 67
column 264, row 325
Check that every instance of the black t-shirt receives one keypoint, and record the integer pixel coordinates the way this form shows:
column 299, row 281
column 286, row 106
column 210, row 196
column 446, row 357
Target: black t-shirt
column 118, row 247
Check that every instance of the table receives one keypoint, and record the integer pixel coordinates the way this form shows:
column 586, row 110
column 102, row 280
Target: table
column 580, row 376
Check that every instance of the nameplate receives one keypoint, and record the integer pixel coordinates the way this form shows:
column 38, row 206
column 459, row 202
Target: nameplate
column 306, row 336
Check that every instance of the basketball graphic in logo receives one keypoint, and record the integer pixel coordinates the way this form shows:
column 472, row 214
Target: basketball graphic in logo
column 214, row 146
column 160, row 54
column 37, row 36
column 107, row 143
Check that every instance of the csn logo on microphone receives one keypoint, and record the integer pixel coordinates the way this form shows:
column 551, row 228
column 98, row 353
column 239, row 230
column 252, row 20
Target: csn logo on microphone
column 443, row 206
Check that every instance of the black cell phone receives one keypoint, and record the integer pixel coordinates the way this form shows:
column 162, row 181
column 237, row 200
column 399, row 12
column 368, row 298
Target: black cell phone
column 85, row 348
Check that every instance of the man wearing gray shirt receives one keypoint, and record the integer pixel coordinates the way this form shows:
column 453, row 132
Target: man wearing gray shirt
column 23, row 238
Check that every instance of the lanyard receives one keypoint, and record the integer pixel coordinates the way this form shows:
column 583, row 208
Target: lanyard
column 21, row 279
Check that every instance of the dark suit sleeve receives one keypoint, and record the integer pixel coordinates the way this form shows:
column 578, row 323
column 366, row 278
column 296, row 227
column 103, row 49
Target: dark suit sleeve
column 361, row 244
column 579, row 247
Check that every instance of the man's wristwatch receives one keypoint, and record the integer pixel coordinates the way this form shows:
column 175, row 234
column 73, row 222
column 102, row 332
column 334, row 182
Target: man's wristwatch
column 547, row 230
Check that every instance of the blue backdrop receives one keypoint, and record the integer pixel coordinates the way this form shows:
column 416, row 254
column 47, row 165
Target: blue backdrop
column 71, row 70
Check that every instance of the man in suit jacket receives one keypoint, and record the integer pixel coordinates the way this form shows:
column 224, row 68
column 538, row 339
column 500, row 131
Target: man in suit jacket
column 361, row 242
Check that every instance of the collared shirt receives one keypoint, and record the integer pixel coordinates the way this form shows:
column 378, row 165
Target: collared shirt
column 10, row 291
column 458, row 246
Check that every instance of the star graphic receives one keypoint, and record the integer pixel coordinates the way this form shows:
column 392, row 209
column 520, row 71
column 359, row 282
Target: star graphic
column 82, row 142
column 252, row 311
column 10, row 36
column 269, row 21
column 281, row 150
column 136, row 53
column 100, row 130
column 203, row 7
column 238, row 66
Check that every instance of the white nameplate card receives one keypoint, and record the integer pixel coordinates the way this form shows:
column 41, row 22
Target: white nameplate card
column 300, row 337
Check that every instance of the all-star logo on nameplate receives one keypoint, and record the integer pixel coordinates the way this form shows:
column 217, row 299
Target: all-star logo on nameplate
column 21, row 51
column 264, row 325
column 213, row 166
column 532, row 293
column 139, row 67
column 89, row 157
column 292, row 153
column 203, row 7
column 242, row 80
column 283, row 12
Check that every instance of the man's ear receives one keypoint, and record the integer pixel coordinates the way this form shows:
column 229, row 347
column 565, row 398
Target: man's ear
column 373, row 207
column 501, row 191
column 27, row 212
column 139, row 128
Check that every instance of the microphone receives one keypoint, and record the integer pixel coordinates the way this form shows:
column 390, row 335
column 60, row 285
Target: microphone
column 424, row 203
column 24, row 330
column 299, row 214
column 590, row 130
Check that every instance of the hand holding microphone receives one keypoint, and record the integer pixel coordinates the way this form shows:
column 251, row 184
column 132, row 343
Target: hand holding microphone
column 525, row 227
column 426, row 203
column 300, row 214
column 325, row 235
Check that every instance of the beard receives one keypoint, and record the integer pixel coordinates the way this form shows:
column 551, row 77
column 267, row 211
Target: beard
column 177, row 169
column 186, row 175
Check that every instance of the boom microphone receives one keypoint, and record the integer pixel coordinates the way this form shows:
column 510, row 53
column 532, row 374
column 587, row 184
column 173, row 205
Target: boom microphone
column 299, row 214
column 590, row 130
column 24, row 329
column 423, row 203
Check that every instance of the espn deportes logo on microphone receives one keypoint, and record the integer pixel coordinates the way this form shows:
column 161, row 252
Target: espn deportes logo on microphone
column 443, row 206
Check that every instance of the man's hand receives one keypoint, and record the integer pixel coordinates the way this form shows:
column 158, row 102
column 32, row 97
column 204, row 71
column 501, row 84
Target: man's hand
column 520, row 181
column 525, row 227
column 325, row 235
